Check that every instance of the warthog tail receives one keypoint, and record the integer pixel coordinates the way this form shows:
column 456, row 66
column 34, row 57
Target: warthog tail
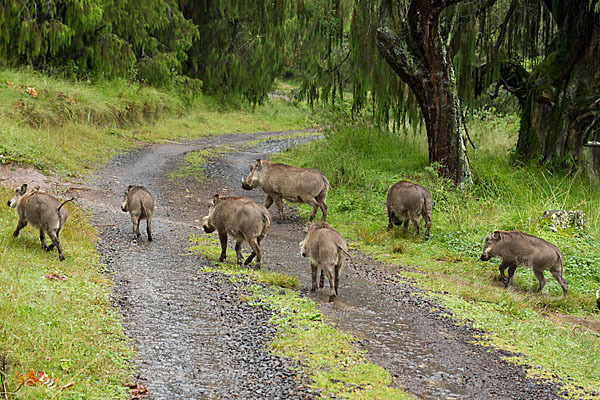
column 349, row 256
column 65, row 202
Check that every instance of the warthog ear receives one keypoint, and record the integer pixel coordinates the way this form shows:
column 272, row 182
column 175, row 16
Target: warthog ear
column 496, row 235
column 215, row 199
column 23, row 188
column 258, row 163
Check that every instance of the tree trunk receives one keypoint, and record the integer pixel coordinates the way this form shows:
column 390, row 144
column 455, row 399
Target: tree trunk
column 409, row 40
column 560, row 112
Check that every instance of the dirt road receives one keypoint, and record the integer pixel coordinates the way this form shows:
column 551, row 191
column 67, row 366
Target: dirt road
column 195, row 339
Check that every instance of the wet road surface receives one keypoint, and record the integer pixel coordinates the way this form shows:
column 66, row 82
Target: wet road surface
column 196, row 339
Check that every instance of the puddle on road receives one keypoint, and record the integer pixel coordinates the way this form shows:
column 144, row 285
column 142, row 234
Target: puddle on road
column 390, row 339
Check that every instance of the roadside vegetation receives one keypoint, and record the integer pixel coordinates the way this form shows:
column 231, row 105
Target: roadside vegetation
column 71, row 127
column 558, row 336
column 57, row 318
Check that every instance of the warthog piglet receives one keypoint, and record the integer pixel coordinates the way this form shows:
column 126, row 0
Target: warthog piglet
column 140, row 204
column 43, row 211
column 326, row 249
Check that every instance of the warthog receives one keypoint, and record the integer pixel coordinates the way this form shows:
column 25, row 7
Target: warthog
column 242, row 218
column 598, row 298
column 326, row 249
column 295, row 184
column 140, row 204
column 405, row 202
column 518, row 248
column 43, row 211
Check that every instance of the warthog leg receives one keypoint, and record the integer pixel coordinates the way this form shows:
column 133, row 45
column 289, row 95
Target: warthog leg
column 427, row 219
column 20, row 225
column 149, row 229
column 331, row 280
column 56, row 242
column 415, row 221
column 322, row 280
column 268, row 201
column 238, row 251
column 321, row 201
column 541, row 279
column 511, row 273
column 315, row 271
column 43, row 240
column 390, row 220
column 255, row 252
column 338, row 269
column 556, row 272
column 502, row 268
column 135, row 220
column 279, row 203
column 405, row 226
column 223, row 240
column 313, row 203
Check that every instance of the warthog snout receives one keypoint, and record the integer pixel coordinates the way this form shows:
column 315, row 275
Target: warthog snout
column 484, row 257
column 245, row 186
column 207, row 228
column 8, row 203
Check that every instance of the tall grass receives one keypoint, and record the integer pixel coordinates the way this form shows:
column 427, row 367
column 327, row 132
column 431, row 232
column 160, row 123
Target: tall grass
column 362, row 163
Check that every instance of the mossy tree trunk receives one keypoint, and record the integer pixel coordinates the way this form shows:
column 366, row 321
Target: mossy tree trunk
column 408, row 38
column 562, row 101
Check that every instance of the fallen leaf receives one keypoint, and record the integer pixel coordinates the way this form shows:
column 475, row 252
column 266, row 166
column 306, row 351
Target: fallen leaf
column 68, row 385
column 31, row 91
column 137, row 390
column 10, row 84
column 41, row 378
column 54, row 277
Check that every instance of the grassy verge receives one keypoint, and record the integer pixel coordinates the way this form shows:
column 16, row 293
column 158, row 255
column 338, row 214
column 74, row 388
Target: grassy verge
column 362, row 163
column 333, row 361
column 70, row 127
column 66, row 329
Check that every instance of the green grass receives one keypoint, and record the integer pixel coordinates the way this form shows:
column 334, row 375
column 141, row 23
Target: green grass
column 63, row 328
column 362, row 163
column 332, row 359
column 72, row 127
